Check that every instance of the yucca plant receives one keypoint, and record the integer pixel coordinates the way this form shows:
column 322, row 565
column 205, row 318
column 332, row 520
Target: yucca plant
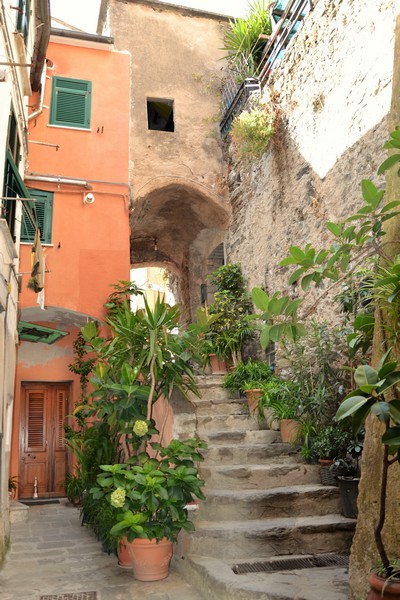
column 242, row 42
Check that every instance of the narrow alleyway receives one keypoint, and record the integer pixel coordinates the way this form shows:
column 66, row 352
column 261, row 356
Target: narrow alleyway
column 52, row 555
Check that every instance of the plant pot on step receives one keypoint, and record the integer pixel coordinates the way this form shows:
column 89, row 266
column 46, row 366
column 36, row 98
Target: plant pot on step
column 348, row 489
column 382, row 589
column 218, row 367
column 150, row 559
column 290, row 429
column 253, row 396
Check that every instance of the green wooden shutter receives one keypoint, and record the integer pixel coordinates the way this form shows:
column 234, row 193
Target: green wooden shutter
column 70, row 102
column 44, row 213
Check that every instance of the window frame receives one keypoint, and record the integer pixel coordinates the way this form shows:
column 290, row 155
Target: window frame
column 40, row 198
column 54, row 118
column 23, row 18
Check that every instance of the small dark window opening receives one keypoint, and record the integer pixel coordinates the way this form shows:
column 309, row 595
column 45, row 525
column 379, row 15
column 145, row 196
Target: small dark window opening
column 160, row 115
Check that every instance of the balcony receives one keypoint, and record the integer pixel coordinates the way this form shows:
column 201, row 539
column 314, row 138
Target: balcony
column 286, row 17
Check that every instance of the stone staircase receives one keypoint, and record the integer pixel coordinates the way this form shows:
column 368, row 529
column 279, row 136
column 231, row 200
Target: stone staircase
column 262, row 502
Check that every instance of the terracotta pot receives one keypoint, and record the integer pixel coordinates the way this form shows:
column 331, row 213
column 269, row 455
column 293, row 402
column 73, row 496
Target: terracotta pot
column 253, row 396
column 271, row 421
column 391, row 591
column 218, row 367
column 289, row 430
column 150, row 559
column 124, row 559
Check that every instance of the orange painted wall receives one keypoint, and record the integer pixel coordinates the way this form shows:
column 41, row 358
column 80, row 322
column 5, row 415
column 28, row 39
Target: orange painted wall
column 90, row 243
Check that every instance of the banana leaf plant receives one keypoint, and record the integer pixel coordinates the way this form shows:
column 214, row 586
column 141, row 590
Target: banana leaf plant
column 378, row 394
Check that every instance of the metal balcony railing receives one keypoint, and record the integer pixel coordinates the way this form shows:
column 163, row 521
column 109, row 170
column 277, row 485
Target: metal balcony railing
column 287, row 16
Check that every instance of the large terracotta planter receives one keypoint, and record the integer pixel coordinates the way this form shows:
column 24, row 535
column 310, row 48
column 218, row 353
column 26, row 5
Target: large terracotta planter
column 124, row 559
column 289, row 430
column 253, row 396
column 391, row 590
column 218, row 367
column 150, row 559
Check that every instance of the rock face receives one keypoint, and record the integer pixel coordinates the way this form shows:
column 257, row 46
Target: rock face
column 333, row 96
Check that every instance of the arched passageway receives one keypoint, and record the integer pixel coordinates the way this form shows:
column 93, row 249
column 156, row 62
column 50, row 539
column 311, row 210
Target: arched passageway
column 177, row 225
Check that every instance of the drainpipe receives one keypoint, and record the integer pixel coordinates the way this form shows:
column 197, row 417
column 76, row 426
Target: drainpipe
column 41, row 101
column 42, row 36
column 59, row 180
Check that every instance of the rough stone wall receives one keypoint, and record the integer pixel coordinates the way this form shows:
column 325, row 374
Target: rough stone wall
column 333, row 92
column 334, row 89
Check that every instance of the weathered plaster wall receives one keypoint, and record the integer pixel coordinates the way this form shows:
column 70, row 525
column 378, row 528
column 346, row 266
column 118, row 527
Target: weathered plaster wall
column 178, row 177
column 333, row 92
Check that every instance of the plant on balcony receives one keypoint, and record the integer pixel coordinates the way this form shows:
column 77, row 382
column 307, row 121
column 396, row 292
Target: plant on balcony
column 242, row 42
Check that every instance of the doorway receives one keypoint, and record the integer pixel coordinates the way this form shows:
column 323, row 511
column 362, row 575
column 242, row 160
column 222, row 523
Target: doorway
column 43, row 454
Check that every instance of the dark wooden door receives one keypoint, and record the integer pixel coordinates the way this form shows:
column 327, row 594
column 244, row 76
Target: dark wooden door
column 43, row 451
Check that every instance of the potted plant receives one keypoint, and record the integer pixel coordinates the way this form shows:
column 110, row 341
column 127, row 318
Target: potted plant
column 149, row 496
column 249, row 378
column 286, row 408
column 377, row 394
column 232, row 307
column 12, row 486
column 330, row 445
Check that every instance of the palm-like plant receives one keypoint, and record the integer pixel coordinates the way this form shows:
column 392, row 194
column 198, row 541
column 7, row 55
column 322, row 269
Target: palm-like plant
column 242, row 42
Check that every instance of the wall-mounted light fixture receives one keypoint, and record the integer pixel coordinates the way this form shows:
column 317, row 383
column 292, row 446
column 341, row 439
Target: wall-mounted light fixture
column 88, row 198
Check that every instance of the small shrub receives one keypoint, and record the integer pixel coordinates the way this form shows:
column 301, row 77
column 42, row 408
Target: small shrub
column 252, row 130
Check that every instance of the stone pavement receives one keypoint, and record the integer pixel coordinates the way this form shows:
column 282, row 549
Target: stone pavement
column 52, row 554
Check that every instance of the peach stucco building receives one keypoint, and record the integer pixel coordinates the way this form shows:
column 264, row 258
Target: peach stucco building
column 78, row 177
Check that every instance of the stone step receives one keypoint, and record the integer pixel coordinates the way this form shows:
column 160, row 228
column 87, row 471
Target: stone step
column 245, row 453
column 241, row 477
column 268, row 538
column 216, row 580
column 210, row 388
column 242, row 422
column 226, row 436
column 232, row 406
column 302, row 500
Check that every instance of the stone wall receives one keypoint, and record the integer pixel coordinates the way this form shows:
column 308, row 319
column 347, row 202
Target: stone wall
column 333, row 90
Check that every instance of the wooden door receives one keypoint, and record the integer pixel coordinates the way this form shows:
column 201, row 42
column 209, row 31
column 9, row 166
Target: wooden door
column 43, row 451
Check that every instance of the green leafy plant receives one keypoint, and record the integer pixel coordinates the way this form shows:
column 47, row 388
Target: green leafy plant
column 373, row 397
column 332, row 443
column 251, row 373
column 150, row 495
column 252, row 130
column 232, row 305
column 242, row 42
column 12, row 485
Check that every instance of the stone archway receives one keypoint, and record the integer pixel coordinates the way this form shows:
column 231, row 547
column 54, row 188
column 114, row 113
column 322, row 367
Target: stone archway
column 176, row 225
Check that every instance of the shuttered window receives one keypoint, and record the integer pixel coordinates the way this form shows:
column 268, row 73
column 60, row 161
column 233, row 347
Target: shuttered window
column 36, row 422
column 70, row 102
column 43, row 203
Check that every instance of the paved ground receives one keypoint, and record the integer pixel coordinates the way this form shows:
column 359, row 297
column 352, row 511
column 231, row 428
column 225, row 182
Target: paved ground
column 52, row 554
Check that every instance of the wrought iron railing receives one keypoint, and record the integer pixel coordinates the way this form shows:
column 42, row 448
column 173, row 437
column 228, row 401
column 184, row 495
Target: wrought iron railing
column 235, row 95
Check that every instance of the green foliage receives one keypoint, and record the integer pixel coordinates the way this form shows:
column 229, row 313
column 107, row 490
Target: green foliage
column 82, row 366
column 150, row 494
column 282, row 396
column 332, row 443
column 254, row 373
column 231, row 324
column 242, row 42
column 252, row 130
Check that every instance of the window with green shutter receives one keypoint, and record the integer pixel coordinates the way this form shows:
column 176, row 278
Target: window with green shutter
column 43, row 202
column 70, row 102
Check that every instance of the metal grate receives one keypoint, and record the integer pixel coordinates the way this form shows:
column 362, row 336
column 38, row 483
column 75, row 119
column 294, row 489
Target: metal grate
column 289, row 564
column 72, row 596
